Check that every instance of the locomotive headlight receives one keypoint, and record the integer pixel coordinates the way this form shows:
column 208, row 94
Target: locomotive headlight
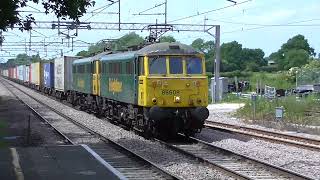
column 154, row 100
column 176, row 99
column 188, row 85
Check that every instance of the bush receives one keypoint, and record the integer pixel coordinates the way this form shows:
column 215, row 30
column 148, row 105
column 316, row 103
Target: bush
column 270, row 68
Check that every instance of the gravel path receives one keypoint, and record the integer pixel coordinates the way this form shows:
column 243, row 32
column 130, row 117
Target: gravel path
column 172, row 161
column 299, row 160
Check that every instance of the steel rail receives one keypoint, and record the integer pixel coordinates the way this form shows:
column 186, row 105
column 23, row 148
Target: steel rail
column 234, row 164
column 34, row 112
column 124, row 151
column 298, row 141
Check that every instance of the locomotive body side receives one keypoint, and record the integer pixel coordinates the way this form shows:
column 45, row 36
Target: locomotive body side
column 117, row 80
column 82, row 75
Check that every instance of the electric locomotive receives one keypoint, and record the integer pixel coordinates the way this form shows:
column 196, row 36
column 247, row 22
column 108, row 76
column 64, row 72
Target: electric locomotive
column 159, row 90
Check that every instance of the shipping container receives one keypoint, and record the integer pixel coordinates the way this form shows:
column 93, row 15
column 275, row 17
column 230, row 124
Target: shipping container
column 48, row 75
column 36, row 74
column 21, row 72
column 10, row 72
column 27, row 74
column 63, row 73
column 15, row 73
column 5, row 73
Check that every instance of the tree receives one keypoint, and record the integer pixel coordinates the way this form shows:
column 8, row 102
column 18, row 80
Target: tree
column 130, row 39
column 22, row 59
column 231, row 56
column 252, row 59
column 285, row 54
column 10, row 15
column 298, row 42
column 295, row 58
column 167, row 39
column 124, row 42
column 198, row 44
column 207, row 47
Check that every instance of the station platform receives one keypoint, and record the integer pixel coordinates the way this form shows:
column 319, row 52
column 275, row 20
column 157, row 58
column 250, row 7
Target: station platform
column 64, row 162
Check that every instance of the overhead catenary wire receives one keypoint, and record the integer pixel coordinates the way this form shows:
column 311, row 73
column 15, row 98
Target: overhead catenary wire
column 289, row 24
column 210, row 11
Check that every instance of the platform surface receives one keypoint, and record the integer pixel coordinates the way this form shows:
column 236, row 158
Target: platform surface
column 53, row 163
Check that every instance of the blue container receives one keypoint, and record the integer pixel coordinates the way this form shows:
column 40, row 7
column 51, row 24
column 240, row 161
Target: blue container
column 48, row 73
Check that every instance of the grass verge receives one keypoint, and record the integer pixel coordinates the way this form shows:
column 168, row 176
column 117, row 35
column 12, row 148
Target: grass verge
column 303, row 111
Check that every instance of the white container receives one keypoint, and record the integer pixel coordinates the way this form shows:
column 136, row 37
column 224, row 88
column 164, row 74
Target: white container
column 20, row 72
column 63, row 73
column 27, row 74
column 5, row 73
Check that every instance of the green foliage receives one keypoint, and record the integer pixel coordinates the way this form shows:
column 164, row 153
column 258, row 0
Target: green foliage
column 10, row 15
column 207, row 47
column 231, row 55
column 252, row 59
column 295, row 109
column 312, row 64
column 280, row 80
column 294, row 53
column 124, row 42
column 23, row 59
column 298, row 42
column 294, row 58
column 167, row 39
column 128, row 40
column 234, row 57
column 269, row 68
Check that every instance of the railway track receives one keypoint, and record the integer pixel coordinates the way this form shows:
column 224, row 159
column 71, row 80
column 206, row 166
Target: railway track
column 128, row 163
column 298, row 141
column 233, row 164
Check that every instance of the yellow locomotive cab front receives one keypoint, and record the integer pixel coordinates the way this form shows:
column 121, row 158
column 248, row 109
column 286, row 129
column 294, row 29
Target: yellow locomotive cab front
column 173, row 81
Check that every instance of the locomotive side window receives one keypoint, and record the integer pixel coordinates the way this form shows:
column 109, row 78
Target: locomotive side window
column 88, row 68
column 80, row 69
column 194, row 65
column 176, row 65
column 141, row 66
column 157, row 65
column 129, row 68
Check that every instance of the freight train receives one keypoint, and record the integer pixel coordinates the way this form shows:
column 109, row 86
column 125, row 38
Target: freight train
column 158, row 90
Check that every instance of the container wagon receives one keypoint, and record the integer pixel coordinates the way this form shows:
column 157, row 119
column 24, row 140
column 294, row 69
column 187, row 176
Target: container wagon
column 63, row 76
column 27, row 75
column 21, row 73
column 36, row 75
column 48, row 78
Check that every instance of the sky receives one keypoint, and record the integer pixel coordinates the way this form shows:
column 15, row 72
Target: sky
column 265, row 24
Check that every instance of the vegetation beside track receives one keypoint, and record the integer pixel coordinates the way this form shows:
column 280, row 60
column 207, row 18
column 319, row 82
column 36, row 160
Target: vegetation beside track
column 302, row 111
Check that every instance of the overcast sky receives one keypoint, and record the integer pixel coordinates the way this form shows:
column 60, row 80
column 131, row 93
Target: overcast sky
column 248, row 23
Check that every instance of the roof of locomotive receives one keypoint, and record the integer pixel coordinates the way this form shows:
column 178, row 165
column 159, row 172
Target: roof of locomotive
column 167, row 48
column 92, row 58
column 153, row 49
